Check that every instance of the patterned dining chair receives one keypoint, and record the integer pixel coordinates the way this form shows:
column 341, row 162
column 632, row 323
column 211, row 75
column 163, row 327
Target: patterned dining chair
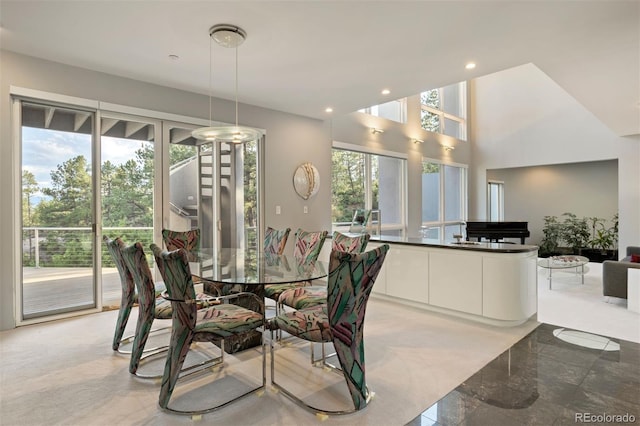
column 129, row 296
column 340, row 321
column 150, row 306
column 187, row 240
column 305, row 297
column 314, row 295
column 275, row 240
column 190, row 242
column 306, row 251
column 214, row 324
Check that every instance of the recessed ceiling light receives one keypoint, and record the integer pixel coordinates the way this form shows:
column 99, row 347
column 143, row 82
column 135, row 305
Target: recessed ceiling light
column 386, row 91
column 470, row 66
column 174, row 57
column 328, row 109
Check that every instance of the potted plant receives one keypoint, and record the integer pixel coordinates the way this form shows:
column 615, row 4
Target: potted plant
column 551, row 239
column 603, row 240
column 574, row 232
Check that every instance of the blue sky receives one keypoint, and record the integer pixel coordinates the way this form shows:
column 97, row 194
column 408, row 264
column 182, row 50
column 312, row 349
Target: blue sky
column 43, row 150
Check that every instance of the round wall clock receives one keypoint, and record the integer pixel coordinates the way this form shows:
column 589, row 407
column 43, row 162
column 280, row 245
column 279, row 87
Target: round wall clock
column 306, row 180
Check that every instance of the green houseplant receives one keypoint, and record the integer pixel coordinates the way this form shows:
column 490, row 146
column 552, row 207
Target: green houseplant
column 603, row 240
column 574, row 232
column 551, row 239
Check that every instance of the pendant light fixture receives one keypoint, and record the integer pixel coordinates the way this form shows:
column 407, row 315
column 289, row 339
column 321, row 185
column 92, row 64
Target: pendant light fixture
column 229, row 36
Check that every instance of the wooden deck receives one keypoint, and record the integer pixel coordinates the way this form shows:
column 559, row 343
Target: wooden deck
column 59, row 289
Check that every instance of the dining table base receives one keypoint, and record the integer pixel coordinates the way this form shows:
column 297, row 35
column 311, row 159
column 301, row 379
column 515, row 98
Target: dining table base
column 249, row 340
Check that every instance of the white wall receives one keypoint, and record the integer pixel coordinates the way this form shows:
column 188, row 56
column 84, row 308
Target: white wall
column 522, row 118
column 354, row 128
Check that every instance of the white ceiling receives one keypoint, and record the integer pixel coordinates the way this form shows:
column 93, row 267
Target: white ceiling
column 302, row 56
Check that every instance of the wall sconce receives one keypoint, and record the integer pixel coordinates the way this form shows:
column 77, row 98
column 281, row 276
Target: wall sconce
column 376, row 131
column 448, row 147
column 417, row 141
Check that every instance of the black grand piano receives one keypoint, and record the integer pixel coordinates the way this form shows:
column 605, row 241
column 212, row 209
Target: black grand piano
column 494, row 231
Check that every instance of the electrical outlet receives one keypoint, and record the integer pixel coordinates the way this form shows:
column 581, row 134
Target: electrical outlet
column 278, row 211
column 305, row 209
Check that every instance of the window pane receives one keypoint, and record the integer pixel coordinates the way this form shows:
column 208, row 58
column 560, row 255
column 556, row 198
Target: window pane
column 431, row 98
column 430, row 121
column 431, row 233
column 453, row 128
column 430, row 192
column 388, row 187
column 452, row 102
column 450, row 231
column 393, row 110
column 452, row 193
column 495, row 201
column 347, row 184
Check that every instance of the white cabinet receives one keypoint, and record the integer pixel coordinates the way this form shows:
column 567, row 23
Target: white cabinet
column 498, row 287
column 455, row 280
column 510, row 289
column 407, row 273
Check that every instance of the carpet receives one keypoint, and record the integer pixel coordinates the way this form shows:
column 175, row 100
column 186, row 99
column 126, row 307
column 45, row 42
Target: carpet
column 583, row 307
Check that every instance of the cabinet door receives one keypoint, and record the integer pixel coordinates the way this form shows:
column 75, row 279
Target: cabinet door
column 455, row 281
column 408, row 273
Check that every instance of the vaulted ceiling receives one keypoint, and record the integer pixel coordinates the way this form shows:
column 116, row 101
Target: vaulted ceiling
column 303, row 56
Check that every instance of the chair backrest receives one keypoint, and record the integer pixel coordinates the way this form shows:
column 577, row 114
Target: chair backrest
column 351, row 279
column 308, row 246
column 348, row 244
column 115, row 247
column 174, row 268
column 187, row 240
column 275, row 240
column 136, row 262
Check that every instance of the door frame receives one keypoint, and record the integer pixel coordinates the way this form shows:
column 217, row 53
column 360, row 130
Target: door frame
column 18, row 97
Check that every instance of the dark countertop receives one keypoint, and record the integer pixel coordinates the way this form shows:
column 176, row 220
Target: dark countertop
column 464, row 245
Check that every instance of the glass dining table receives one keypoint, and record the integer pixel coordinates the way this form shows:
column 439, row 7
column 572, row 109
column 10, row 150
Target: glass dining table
column 227, row 271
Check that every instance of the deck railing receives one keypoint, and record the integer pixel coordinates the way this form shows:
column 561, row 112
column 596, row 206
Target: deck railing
column 73, row 246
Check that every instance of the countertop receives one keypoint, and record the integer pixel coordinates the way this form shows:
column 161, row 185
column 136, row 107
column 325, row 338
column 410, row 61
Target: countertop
column 463, row 245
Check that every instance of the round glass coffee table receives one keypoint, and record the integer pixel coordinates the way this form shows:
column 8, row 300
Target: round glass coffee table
column 564, row 262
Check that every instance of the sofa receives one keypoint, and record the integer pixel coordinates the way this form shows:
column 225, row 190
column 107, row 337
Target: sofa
column 614, row 274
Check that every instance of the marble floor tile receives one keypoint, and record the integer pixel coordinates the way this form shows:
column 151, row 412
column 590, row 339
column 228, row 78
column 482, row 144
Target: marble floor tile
column 543, row 380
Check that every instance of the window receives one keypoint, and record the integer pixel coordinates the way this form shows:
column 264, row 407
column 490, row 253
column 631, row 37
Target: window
column 443, row 110
column 362, row 180
column 444, row 195
column 393, row 110
column 495, row 198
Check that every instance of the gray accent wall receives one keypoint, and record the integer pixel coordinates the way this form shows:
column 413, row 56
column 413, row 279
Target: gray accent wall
column 588, row 189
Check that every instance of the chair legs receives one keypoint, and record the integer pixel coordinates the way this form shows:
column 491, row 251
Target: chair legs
column 181, row 341
column 138, row 351
column 359, row 403
column 121, row 324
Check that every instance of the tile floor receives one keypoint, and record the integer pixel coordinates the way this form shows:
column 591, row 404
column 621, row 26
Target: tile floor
column 543, row 380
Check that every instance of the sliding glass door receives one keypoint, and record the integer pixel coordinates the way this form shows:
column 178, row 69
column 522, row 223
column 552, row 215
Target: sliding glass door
column 88, row 173
column 128, row 185
column 58, row 235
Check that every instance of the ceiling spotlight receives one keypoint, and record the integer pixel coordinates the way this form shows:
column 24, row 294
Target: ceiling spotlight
column 448, row 147
column 385, row 91
column 328, row 109
column 417, row 141
column 376, row 131
column 470, row 66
